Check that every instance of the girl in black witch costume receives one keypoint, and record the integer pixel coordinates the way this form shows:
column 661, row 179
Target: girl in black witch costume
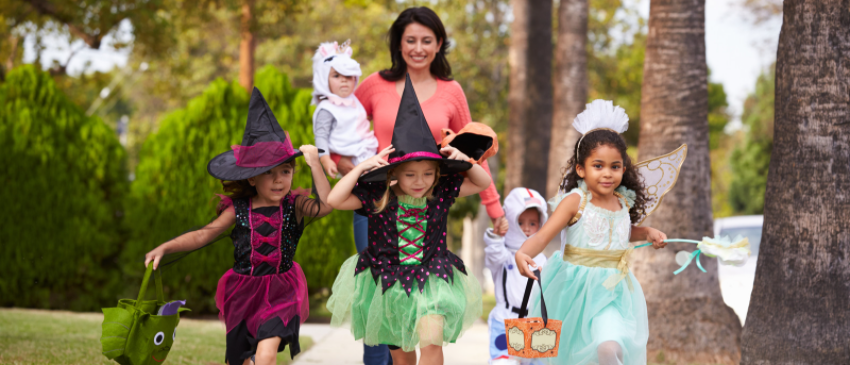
column 406, row 290
column 263, row 298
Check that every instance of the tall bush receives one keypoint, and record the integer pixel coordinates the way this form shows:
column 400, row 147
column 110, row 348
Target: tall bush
column 63, row 180
column 173, row 192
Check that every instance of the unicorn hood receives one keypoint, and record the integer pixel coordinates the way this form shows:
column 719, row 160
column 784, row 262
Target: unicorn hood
column 519, row 200
column 331, row 55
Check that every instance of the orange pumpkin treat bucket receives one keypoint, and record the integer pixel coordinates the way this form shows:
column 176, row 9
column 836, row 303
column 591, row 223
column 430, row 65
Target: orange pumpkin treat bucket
column 533, row 337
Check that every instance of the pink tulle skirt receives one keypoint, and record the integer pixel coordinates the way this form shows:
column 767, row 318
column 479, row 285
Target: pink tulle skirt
column 257, row 299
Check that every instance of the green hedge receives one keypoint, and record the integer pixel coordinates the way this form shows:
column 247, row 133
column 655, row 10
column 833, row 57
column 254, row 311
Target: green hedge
column 63, row 181
column 172, row 191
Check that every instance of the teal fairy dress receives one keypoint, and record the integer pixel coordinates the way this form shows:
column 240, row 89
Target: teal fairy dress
column 587, row 284
column 406, row 290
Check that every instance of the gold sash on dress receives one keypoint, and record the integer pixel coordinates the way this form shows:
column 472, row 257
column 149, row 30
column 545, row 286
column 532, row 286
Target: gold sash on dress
column 610, row 259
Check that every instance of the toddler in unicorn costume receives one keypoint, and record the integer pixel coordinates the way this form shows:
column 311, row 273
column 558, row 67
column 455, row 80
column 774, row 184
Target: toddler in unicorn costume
column 525, row 210
column 339, row 122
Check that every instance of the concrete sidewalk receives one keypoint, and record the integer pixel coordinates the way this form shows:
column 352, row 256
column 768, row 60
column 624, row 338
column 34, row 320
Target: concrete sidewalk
column 336, row 346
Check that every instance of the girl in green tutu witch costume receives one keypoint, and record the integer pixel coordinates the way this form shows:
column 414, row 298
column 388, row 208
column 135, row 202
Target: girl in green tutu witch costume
column 602, row 201
column 406, row 290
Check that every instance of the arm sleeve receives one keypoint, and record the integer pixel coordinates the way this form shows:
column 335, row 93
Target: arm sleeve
column 449, row 187
column 495, row 253
column 490, row 197
column 368, row 193
column 322, row 128
column 459, row 119
column 364, row 93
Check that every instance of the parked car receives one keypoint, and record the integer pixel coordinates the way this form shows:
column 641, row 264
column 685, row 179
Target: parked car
column 736, row 283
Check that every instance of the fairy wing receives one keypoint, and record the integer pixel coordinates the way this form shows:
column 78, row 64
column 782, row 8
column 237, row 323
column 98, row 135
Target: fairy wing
column 659, row 176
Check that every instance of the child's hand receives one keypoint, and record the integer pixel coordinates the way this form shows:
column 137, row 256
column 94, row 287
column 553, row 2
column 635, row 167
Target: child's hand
column 453, row 153
column 656, row 237
column 500, row 226
column 523, row 261
column 329, row 165
column 311, row 154
column 155, row 255
column 377, row 160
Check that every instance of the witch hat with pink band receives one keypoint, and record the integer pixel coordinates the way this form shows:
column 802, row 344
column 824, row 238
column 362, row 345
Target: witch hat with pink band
column 413, row 141
column 264, row 146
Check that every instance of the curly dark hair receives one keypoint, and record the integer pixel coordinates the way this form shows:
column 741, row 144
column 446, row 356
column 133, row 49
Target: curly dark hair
column 631, row 179
column 440, row 67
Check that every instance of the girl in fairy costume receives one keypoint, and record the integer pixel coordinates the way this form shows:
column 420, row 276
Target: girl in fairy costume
column 406, row 290
column 263, row 298
column 587, row 284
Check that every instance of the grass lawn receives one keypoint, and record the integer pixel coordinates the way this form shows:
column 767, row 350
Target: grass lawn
column 57, row 337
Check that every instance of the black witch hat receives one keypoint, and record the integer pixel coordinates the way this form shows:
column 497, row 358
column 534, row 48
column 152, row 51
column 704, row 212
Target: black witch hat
column 264, row 145
column 413, row 141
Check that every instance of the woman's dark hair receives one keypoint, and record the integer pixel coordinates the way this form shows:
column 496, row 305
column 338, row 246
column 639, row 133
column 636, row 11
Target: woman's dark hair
column 631, row 178
column 440, row 67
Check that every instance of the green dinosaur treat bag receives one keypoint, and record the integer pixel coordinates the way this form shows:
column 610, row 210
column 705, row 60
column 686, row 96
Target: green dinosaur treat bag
column 141, row 332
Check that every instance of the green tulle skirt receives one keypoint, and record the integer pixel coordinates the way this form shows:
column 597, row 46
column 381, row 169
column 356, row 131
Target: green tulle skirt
column 437, row 316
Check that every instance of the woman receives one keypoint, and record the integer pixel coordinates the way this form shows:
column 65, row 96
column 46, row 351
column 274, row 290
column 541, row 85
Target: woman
column 418, row 45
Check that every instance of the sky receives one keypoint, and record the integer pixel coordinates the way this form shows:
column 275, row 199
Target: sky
column 737, row 51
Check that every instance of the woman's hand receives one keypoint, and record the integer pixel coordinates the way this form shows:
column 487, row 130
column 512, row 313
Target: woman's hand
column 656, row 237
column 500, row 226
column 329, row 165
column 155, row 255
column 376, row 161
column 345, row 165
column 453, row 153
column 311, row 154
column 523, row 261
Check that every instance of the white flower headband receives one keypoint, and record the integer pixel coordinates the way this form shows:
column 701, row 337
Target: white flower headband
column 600, row 115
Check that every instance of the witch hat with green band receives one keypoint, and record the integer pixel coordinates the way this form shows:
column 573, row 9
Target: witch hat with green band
column 132, row 332
column 413, row 141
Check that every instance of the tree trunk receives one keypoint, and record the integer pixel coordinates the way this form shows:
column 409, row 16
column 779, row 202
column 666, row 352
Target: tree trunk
column 800, row 307
column 570, row 87
column 13, row 52
column 538, row 109
column 517, row 59
column 688, row 320
column 247, row 45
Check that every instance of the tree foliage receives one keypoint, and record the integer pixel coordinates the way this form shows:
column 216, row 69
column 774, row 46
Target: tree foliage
column 173, row 192
column 64, row 180
column 89, row 21
column 750, row 159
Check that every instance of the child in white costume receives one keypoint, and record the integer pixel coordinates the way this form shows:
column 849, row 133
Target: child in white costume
column 339, row 122
column 525, row 210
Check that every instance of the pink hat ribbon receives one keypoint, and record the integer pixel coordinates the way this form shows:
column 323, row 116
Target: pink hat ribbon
column 263, row 154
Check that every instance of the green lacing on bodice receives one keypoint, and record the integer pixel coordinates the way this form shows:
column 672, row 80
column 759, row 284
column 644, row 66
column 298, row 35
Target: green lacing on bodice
column 411, row 226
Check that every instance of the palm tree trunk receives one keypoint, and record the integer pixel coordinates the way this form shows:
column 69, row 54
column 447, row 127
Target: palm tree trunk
column 570, row 87
column 517, row 59
column 13, row 52
column 539, row 95
column 800, row 307
column 688, row 320
column 247, row 45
